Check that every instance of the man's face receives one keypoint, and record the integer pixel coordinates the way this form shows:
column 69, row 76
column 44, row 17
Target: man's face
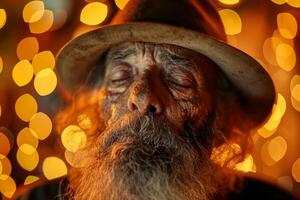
column 158, row 111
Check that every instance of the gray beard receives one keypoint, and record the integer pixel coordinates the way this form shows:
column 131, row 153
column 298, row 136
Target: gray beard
column 144, row 159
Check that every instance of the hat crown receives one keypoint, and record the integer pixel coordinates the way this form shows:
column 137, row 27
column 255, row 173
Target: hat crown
column 199, row 15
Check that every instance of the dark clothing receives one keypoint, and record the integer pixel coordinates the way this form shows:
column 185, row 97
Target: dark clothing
column 252, row 189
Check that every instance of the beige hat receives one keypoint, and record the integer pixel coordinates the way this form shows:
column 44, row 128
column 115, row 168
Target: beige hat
column 192, row 24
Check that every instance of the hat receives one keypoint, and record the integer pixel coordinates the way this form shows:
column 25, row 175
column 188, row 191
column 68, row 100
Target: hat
column 192, row 24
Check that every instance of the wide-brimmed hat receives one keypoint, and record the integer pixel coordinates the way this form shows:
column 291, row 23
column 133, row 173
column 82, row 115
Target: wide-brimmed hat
column 192, row 24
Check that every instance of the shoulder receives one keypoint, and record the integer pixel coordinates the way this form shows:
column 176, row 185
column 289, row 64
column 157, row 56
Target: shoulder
column 254, row 188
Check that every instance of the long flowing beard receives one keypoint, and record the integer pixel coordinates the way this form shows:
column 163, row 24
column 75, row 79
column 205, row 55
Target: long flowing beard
column 145, row 159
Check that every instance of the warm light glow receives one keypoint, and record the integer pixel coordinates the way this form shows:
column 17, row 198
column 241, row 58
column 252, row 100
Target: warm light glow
column 286, row 182
column 122, row 3
column 22, row 73
column 33, row 11
column 277, row 148
column 30, row 179
column 265, row 156
column 1, row 64
column 26, row 107
column 294, row 3
column 54, row 167
column 27, row 48
column 94, row 13
column 45, row 82
column 246, row 165
column 6, row 165
column 286, row 57
column 73, row 138
column 1, row 168
column 279, row 2
column 27, row 157
column 84, row 121
column 287, row 25
column 43, row 24
column 296, row 170
column 231, row 21
column 3, row 18
column 7, row 186
column 4, row 144
column 296, row 92
column 295, row 81
column 43, row 60
column 229, row 2
column 295, row 104
column 41, row 124
column 268, row 51
column 27, row 136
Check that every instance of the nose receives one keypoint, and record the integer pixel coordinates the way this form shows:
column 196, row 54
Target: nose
column 144, row 99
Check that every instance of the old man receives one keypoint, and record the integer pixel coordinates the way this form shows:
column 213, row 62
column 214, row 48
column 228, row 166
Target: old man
column 167, row 99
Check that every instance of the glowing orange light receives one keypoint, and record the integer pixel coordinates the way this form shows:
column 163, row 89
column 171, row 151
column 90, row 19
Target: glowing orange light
column 3, row 18
column 33, row 11
column 286, row 57
column 73, row 138
column 84, row 121
column 54, row 167
column 1, row 64
column 265, row 156
column 277, row 148
column 43, row 24
column 30, row 179
column 27, row 157
column 43, row 60
column 287, row 25
column 6, row 165
column 231, row 21
column 26, row 107
column 94, row 13
column 4, row 144
column 41, row 124
column 7, row 186
column 246, row 165
column 22, row 73
column 45, row 82
column 294, row 3
column 27, row 136
column 296, row 170
column 27, row 48
column 122, row 3
column 296, row 92
column 229, row 2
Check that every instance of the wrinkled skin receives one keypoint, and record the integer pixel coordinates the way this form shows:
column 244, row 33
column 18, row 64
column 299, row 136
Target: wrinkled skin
column 158, row 106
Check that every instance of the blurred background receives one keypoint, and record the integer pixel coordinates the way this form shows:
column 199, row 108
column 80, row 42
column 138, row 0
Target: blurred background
column 31, row 34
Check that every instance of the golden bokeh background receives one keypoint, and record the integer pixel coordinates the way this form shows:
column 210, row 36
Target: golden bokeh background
column 31, row 34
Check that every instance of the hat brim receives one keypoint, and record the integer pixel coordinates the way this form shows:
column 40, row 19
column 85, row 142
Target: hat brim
column 77, row 58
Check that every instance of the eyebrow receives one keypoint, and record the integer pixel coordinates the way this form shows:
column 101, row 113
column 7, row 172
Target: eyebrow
column 171, row 58
column 121, row 53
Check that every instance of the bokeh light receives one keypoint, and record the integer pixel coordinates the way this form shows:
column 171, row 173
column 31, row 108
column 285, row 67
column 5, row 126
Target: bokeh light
column 27, row 48
column 27, row 157
column 229, row 2
column 296, row 170
column 6, row 165
column 286, row 57
column 287, row 25
column 3, row 18
column 265, row 155
column 44, row 24
column 27, row 136
column 33, row 11
column 1, row 64
column 25, row 107
column 231, row 21
column 7, row 186
column 30, row 179
column 5, row 145
column 22, row 73
column 94, row 13
column 294, row 3
column 41, row 124
column 247, row 165
column 54, row 167
column 121, row 3
column 43, row 60
column 277, row 148
column 73, row 138
column 45, row 82
column 279, row 2
column 296, row 92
